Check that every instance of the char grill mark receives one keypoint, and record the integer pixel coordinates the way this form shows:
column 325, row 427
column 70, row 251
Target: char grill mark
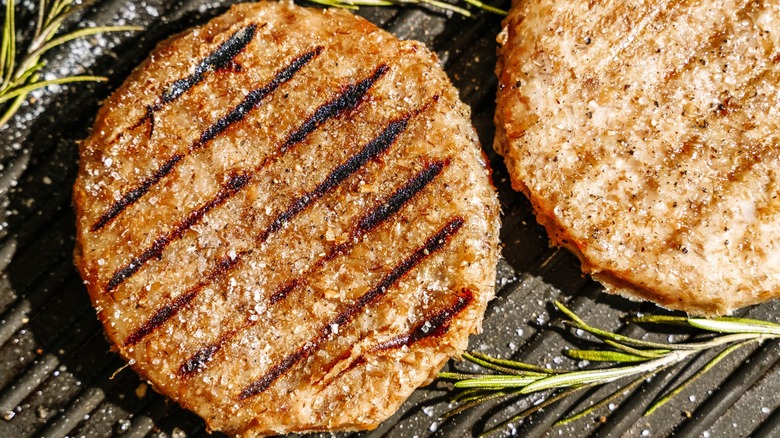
column 220, row 58
column 160, row 316
column 435, row 325
column 401, row 196
column 371, row 220
column 166, row 312
column 347, row 100
column 136, row 193
column 370, row 151
column 235, row 183
column 301, row 203
column 285, row 289
column 237, row 114
column 196, row 362
column 253, row 99
column 150, row 115
column 368, row 222
column 433, row 244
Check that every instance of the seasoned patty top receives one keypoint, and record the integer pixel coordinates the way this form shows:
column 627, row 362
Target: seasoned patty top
column 285, row 220
column 646, row 135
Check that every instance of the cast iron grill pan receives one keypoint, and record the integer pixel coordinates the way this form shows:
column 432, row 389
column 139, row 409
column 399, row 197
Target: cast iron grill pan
column 59, row 378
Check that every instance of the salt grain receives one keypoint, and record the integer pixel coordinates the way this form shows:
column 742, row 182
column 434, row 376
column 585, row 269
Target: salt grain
column 123, row 425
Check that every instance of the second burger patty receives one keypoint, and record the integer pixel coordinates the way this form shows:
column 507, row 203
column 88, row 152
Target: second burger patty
column 647, row 138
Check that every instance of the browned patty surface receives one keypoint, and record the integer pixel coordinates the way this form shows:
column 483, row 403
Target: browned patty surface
column 285, row 220
column 646, row 135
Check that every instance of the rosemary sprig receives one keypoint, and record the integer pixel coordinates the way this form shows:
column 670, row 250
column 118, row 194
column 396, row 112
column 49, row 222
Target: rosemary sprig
column 355, row 4
column 630, row 358
column 20, row 71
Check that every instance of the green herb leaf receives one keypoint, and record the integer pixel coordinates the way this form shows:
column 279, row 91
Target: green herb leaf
column 604, row 356
column 22, row 91
column 736, row 325
column 603, row 334
column 648, row 353
column 500, row 368
column 491, row 381
column 458, row 376
column 510, row 363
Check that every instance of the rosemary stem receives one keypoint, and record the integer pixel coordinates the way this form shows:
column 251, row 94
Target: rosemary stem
column 633, row 358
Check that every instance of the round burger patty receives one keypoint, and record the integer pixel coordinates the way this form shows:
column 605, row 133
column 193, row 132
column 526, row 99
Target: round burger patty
column 285, row 220
column 647, row 138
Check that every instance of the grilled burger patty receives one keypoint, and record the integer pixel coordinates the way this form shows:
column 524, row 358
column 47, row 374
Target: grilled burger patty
column 285, row 220
column 646, row 137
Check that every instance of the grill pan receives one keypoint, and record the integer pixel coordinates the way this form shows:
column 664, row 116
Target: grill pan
column 58, row 376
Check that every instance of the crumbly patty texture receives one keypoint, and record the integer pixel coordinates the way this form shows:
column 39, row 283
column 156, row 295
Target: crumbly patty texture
column 285, row 220
column 646, row 136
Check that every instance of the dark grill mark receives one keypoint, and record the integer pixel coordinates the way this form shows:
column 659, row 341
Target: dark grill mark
column 150, row 116
column 370, row 151
column 282, row 292
column 196, row 363
column 298, row 205
column 389, row 207
column 133, row 195
column 433, row 244
column 160, row 316
column 252, row 99
column 401, row 196
column 171, row 309
column 348, row 100
column 237, row 114
column 361, row 360
column 235, row 183
column 220, row 58
column 434, row 326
